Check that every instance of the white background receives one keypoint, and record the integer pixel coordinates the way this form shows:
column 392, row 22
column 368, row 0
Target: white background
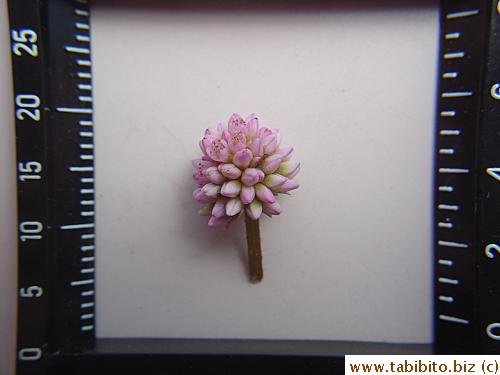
column 351, row 88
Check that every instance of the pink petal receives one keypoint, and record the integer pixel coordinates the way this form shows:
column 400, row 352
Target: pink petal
column 242, row 158
column 236, row 124
column 256, row 147
column 230, row 171
column 253, row 124
column 285, row 153
column 270, row 144
column 214, row 176
column 288, row 167
column 211, row 190
column 255, row 161
column 201, row 197
column 229, row 222
column 216, row 220
column 264, row 193
column 219, row 208
column 233, row 206
column 261, row 175
column 200, row 178
column 263, row 132
column 250, row 176
column 237, row 141
column 254, row 210
column 271, row 164
column 247, row 194
column 274, row 181
column 271, row 209
column 294, row 173
column 217, row 149
column 231, row 189
column 287, row 186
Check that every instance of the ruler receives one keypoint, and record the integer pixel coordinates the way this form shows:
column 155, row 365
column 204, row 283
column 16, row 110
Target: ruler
column 52, row 75
column 50, row 44
column 467, row 180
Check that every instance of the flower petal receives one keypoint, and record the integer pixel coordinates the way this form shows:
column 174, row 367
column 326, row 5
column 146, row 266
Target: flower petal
column 214, row 176
column 211, row 190
column 243, row 158
column 256, row 147
column 288, row 167
column 217, row 149
column 219, row 208
column 271, row 164
column 201, row 197
column 230, row 171
column 271, row 209
column 274, row 181
column 286, row 187
column 252, row 124
column 250, row 176
column 236, row 124
column 230, row 221
column 254, row 210
column 270, row 144
column 285, row 153
column 216, row 220
column 233, row 206
column 261, row 175
column 237, row 141
column 231, row 189
column 264, row 193
column 247, row 194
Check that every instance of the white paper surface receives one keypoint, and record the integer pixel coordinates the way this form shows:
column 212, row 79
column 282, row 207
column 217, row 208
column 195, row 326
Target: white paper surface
column 351, row 89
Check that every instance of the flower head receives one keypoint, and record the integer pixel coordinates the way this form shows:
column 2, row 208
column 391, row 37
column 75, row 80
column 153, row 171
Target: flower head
column 243, row 169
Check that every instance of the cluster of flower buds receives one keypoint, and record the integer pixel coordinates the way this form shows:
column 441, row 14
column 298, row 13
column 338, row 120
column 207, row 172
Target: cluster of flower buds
column 243, row 169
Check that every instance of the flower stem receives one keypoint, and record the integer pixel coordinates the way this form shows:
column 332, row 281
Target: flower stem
column 254, row 250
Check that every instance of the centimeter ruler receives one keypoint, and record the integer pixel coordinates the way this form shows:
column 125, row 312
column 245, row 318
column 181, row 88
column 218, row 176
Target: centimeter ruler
column 467, row 197
column 50, row 45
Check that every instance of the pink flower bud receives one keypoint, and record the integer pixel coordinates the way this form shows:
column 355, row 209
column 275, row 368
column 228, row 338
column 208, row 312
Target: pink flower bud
column 237, row 142
column 285, row 153
column 274, row 181
column 261, row 175
column 264, row 194
column 236, row 124
column 211, row 190
column 230, row 171
column 231, row 189
column 254, row 210
column 242, row 158
column 253, row 125
column 216, row 220
column 233, row 206
column 214, row 176
column 270, row 144
column 271, row 163
column 250, row 176
column 286, row 187
column 247, row 194
column 289, row 168
column 256, row 147
column 271, row 209
column 219, row 208
column 201, row 197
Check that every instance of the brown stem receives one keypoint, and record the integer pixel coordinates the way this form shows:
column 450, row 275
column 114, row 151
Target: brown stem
column 254, row 250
